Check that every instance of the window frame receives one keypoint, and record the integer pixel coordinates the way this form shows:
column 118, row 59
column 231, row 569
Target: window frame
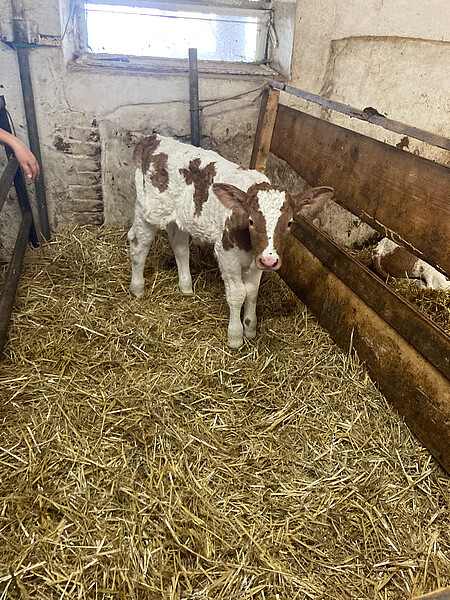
column 229, row 7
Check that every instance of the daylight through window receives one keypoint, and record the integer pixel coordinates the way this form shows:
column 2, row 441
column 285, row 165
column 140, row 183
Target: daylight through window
column 218, row 33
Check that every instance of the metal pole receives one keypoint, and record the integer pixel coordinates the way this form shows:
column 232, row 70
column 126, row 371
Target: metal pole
column 193, row 98
column 30, row 114
column 369, row 114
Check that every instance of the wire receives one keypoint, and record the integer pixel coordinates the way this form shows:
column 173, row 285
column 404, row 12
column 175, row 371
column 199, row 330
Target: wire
column 11, row 122
column 69, row 18
column 260, row 90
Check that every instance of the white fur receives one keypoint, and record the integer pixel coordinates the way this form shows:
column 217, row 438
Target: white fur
column 385, row 247
column 174, row 210
column 421, row 270
column 433, row 279
column 270, row 203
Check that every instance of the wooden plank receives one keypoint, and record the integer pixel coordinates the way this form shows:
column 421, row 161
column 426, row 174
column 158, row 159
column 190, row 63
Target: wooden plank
column 7, row 179
column 369, row 114
column 441, row 594
column 417, row 329
column 264, row 129
column 12, row 277
column 403, row 196
column 419, row 391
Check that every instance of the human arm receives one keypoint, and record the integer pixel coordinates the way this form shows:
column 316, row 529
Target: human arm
column 25, row 157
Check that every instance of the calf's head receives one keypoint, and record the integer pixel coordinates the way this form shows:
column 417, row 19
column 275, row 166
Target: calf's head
column 267, row 214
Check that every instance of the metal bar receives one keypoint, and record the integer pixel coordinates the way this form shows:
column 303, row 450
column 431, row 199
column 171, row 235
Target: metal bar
column 193, row 97
column 12, row 277
column 19, row 182
column 370, row 115
column 24, row 203
column 7, row 179
column 30, row 113
column 190, row 4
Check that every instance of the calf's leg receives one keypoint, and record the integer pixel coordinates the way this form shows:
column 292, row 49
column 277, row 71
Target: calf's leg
column 252, row 279
column 235, row 293
column 140, row 237
column 179, row 240
column 432, row 277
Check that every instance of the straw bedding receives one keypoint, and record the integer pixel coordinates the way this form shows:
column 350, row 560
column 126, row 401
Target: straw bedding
column 434, row 303
column 140, row 458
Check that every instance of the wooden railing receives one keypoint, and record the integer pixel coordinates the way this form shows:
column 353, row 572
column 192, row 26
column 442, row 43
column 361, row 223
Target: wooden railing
column 404, row 197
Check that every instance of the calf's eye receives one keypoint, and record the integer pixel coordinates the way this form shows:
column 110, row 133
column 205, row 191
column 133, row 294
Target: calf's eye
column 250, row 222
column 290, row 224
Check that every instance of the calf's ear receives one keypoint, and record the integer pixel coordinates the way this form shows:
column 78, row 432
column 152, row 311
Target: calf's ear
column 310, row 203
column 230, row 196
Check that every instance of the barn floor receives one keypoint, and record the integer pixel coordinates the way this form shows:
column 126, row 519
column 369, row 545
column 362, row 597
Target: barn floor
column 140, row 458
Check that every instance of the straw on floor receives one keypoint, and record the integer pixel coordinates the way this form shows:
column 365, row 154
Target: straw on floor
column 141, row 458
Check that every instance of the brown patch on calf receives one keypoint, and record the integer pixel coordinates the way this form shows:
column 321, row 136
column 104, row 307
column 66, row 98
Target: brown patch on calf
column 144, row 156
column 202, row 180
column 143, row 152
column 398, row 263
column 160, row 175
column 282, row 232
column 236, row 232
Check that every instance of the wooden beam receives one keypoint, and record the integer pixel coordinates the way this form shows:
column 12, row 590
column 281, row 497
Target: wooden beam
column 7, row 178
column 441, row 594
column 264, row 129
column 419, row 391
column 401, row 195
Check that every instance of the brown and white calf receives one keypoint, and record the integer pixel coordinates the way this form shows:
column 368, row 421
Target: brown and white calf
column 388, row 258
column 194, row 192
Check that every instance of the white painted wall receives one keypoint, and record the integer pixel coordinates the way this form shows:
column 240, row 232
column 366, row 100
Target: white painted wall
column 393, row 55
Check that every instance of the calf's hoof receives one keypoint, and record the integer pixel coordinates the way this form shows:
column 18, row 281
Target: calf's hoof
column 235, row 343
column 250, row 333
column 186, row 289
column 137, row 290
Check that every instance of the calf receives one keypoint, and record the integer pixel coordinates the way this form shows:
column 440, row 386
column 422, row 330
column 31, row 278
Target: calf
column 194, row 192
column 390, row 259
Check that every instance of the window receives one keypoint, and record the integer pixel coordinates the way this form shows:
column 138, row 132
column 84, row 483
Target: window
column 221, row 30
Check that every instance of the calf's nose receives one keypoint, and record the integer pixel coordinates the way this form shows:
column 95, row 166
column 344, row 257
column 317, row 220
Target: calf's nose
column 268, row 262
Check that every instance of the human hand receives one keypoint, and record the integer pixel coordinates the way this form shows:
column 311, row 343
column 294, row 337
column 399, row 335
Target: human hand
column 27, row 160
column 25, row 157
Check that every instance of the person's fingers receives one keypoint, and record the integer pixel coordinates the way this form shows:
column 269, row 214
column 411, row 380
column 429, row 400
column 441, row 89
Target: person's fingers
column 35, row 170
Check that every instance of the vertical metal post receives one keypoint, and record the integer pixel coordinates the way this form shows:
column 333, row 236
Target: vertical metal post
column 193, row 98
column 30, row 114
column 26, row 233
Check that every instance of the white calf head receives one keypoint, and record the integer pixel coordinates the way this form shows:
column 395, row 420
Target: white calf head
column 262, row 218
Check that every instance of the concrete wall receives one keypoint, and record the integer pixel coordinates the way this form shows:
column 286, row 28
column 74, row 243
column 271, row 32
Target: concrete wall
column 392, row 55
